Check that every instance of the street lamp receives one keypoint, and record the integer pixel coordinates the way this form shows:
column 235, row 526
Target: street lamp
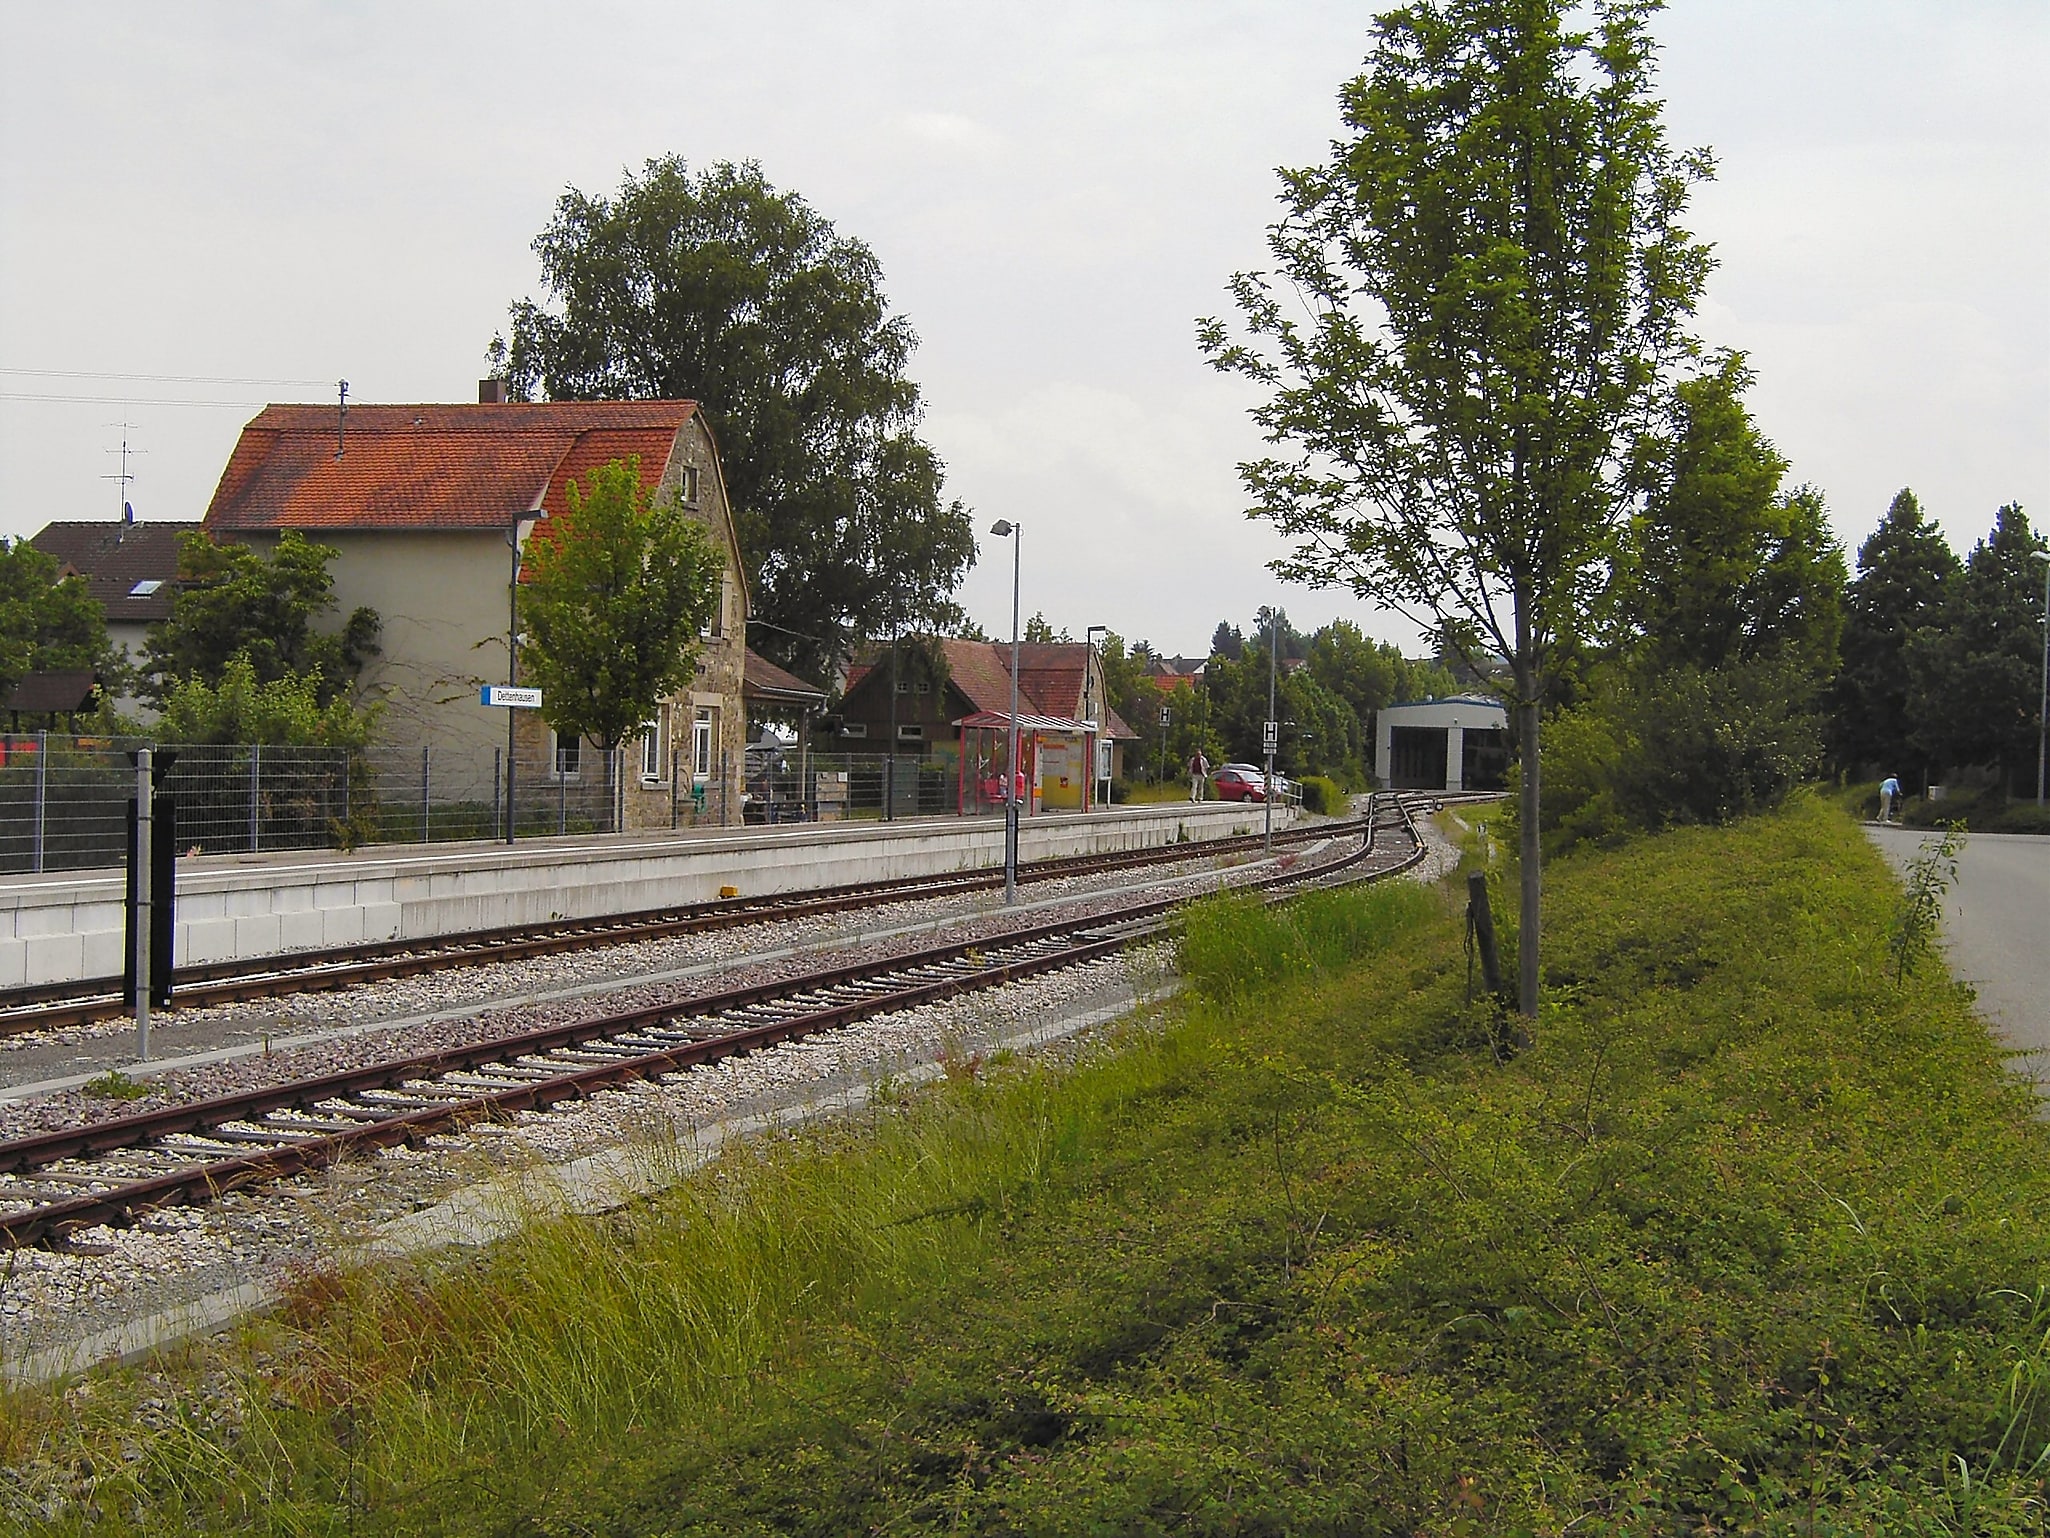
column 1100, row 715
column 522, row 528
column 1270, row 731
column 1003, row 528
column 2043, row 700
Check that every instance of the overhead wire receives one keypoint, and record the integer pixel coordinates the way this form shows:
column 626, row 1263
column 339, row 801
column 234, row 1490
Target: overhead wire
column 208, row 379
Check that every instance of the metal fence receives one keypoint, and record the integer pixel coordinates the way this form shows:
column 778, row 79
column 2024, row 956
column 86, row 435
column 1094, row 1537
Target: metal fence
column 64, row 799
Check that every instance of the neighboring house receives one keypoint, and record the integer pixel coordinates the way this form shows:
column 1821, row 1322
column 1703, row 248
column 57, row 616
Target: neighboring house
column 1060, row 683
column 130, row 567
column 424, row 505
column 1460, row 743
column 1172, row 672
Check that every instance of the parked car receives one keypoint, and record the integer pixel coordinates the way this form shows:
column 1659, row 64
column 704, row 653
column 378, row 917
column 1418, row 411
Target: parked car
column 1247, row 782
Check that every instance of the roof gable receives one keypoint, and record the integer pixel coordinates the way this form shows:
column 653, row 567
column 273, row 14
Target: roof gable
column 432, row 467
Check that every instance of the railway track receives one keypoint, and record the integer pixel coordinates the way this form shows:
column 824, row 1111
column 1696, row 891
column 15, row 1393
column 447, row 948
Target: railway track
column 116, row 1171
column 54, row 1006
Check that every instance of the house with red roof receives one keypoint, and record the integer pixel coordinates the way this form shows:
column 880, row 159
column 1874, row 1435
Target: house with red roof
column 953, row 696
column 427, row 505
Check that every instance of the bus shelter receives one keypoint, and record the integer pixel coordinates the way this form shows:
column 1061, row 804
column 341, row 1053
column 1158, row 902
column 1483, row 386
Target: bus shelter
column 1052, row 773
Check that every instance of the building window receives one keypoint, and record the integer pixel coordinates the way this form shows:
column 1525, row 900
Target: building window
column 715, row 622
column 909, row 733
column 655, row 749
column 145, row 587
column 567, row 757
column 914, row 686
column 687, row 486
column 703, row 728
column 854, row 729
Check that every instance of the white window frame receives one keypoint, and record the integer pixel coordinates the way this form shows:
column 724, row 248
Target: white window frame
column 565, row 765
column 704, row 727
column 910, row 731
column 687, row 485
column 655, row 749
column 853, row 728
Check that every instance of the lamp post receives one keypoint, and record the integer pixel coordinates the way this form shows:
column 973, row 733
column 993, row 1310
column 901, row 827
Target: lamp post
column 1270, row 732
column 1100, row 714
column 1003, row 528
column 520, row 529
column 2043, row 700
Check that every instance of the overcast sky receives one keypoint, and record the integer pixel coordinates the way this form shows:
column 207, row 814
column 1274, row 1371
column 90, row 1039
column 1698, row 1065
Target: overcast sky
column 278, row 192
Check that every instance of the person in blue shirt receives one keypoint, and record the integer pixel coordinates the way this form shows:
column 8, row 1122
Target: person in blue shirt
column 1889, row 798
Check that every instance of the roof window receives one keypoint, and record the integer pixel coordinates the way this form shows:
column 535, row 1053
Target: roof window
column 145, row 587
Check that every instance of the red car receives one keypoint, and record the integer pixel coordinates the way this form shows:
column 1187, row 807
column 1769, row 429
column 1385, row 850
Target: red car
column 1241, row 782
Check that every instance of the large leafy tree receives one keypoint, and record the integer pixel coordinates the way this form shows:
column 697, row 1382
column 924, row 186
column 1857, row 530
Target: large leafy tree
column 1723, row 568
column 1905, row 571
column 1974, row 675
column 236, row 601
column 1476, row 302
column 718, row 288
column 617, row 591
column 46, row 622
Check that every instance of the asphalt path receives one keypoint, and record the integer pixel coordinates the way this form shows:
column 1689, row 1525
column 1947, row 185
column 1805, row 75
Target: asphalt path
column 1996, row 928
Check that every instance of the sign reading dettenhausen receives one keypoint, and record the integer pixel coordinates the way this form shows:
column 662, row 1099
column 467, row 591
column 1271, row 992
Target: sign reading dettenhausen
column 517, row 699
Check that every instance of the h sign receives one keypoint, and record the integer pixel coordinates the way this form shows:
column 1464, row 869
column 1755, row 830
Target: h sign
column 1270, row 736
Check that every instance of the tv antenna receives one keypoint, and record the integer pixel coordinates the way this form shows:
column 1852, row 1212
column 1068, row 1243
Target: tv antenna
column 341, row 414
column 123, row 477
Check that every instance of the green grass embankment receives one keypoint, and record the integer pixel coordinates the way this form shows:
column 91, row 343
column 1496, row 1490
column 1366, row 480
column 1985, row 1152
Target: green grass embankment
column 1752, row 1241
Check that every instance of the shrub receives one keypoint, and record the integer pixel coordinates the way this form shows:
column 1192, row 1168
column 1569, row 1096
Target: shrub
column 1321, row 794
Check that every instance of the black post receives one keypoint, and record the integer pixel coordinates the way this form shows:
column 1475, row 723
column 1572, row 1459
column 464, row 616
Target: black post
column 1482, row 920
column 163, row 919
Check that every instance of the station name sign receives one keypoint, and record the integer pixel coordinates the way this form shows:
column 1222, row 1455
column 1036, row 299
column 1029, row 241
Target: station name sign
column 507, row 695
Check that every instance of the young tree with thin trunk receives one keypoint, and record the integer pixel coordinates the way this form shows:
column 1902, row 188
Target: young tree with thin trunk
column 617, row 591
column 1477, row 303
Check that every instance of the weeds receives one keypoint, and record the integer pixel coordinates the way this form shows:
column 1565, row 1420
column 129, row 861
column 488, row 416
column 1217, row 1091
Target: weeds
column 1751, row 1242
column 114, row 1085
column 1919, row 918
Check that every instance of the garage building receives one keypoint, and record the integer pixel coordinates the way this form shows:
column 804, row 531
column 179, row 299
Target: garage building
column 1461, row 743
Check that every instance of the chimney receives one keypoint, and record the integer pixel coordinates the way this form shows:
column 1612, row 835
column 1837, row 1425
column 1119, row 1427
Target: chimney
column 491, row 392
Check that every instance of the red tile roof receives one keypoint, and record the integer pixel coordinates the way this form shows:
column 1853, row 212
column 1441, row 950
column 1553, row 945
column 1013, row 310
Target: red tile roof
column 981, row 670
column 432, row 467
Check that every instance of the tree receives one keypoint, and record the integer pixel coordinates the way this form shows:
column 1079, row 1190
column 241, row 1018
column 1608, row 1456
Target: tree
column 1039, row 630
column 1904, row 575
column 1974, row 674
column 1226, row 641
column 1496, row 287
column 719, row 289
column 1722, row 569
column 241, row 708
column 46, row 623
column 617, row 591
column 233, row 601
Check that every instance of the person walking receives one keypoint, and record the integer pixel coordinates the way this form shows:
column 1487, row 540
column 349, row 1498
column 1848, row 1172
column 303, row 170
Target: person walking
column 1199, row 773
column 1889, row 798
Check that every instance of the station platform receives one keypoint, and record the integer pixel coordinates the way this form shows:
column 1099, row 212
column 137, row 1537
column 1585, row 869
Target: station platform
column 67, row 926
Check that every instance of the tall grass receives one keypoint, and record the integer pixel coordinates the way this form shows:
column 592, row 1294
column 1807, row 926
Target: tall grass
column 414, row 1387
column 1751, row 1240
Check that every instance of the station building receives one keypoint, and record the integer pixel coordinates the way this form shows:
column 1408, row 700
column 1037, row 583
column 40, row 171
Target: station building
column 426, row 506
column 1461, row 743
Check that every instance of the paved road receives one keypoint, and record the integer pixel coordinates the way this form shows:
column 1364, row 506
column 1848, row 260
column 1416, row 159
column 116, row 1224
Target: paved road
column 1996, row 925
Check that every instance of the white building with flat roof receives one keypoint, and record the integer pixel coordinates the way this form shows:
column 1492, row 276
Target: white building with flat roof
column 1461, row 743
